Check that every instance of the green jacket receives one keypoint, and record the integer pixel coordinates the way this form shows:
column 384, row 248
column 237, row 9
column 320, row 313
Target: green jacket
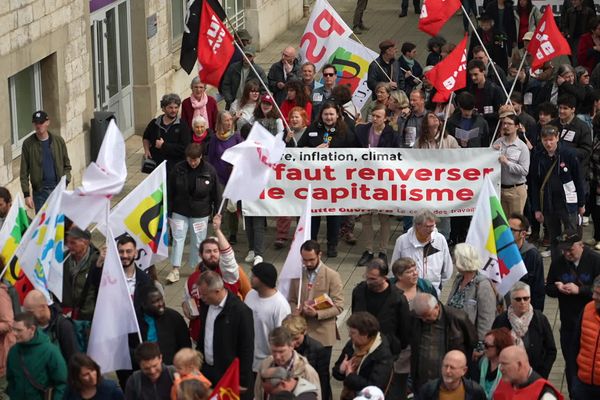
column 80, row 287
column 45, row 365
column 31, row 162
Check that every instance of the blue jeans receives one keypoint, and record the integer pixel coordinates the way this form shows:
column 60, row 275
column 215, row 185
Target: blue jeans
column 180, row 225
column 40, row 197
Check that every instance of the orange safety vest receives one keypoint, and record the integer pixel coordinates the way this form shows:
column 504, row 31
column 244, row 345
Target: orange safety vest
column 588, row 359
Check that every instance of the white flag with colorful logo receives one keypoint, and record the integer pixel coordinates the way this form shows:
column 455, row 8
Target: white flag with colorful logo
column 490, row 234
column 13, row 229
column 114, row 318
column 101, row 180
column 142, row 214
column 253, row 161
column 41, row 251
column 292, row 267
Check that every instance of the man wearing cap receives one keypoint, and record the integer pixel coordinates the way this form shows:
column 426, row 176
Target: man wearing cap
column 384, row 68
column 80, row 275
column 278, row 379
column 570, row 279
column 488, row 33
column 243, row 39
column 238, row 73
column 281, row 72
column 269, row 307
column 44, row 160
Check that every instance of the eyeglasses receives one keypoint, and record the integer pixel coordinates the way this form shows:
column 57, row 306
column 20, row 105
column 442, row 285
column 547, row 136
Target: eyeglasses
column 521, row 299
column 328, row 74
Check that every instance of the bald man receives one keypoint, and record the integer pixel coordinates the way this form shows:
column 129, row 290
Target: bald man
column 284, row 70
column 520, row 380
column 59, row 329
column 452, row 384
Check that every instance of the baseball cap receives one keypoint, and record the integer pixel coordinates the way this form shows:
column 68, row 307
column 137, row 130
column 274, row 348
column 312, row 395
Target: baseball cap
column 39, row 117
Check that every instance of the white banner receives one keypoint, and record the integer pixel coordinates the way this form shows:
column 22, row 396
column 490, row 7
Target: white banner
column 392, row 181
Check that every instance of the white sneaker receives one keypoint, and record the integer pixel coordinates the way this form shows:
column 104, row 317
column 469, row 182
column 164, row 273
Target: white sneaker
column 546, row 254
column 173, row 276
column 597, row 246
column 257, row 260
column 585, row 221
column 250, row 256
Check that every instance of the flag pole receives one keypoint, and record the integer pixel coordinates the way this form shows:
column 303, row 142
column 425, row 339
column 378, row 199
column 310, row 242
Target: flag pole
column 486, row 53
column 299, row 291
column 381, row 68
column 446, row 119
column 221, row 206
column 512, row 87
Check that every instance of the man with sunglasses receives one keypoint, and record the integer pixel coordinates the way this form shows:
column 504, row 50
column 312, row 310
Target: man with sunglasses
column 570, row 280
column 323, row 93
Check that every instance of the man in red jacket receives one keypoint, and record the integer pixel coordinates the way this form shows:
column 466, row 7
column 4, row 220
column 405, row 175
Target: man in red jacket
column 587, row 380
column 520, row 381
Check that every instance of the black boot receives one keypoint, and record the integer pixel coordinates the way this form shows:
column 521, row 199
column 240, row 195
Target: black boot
column 332, row 251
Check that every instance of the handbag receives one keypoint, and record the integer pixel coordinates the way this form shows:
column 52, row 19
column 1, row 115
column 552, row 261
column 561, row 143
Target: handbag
column 48, row 392
column 148, row 165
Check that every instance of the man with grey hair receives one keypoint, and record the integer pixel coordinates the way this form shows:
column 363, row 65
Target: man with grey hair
column 435, row 330
column 570, row 280
column 283, row 71
column 279, row 379
column 428, row 248
column 227, row 332
column 167, row 136
column 530, row 328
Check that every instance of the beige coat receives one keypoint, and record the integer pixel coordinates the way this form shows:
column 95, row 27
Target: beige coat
column 322, row 327
column 301, row 369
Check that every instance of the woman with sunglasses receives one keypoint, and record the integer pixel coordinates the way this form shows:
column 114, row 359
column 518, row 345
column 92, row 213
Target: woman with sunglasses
column 488, row 374
column 328, row 131
column 529, row 328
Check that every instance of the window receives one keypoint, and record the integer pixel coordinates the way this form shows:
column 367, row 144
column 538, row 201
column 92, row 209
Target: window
column 178, row 10
column 235, row 12
column 25, row 91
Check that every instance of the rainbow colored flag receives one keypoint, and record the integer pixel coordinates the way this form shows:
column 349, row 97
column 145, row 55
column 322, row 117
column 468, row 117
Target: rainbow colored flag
column 490, row 234
column 15, row 225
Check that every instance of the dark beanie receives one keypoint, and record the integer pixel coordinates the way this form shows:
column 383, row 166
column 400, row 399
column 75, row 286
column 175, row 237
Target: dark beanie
column 267, row 273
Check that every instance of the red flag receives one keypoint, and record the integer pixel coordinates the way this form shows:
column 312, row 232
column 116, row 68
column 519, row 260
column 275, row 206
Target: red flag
column 215, row 43
column 450, row 74
column 228, row 387
column 547, row 41
column 435, row 13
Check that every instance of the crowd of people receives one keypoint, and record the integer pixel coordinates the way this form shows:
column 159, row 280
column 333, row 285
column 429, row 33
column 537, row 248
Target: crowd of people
column 403, row 337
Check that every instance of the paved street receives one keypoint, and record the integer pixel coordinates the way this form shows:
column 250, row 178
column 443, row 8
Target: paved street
column 381, row 17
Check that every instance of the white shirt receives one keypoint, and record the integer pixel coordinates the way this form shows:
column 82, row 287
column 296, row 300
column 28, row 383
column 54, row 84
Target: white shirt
column 268, row 312
column 209, row 330
column 131, row 283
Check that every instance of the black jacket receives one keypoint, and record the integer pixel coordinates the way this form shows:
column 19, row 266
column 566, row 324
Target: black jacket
column 460, row 334
column 276, row 75
column 176, row 136
column 315, row 133
column 194, row 192
column 172, row 331
column 409, row 81
column 541, row 348
column 233, row 337
column 492, row 98
column 233, row 76
column 561, row 270
column 535, row 275
column 318, row 358
column 566, row 170
column 139, row 387
column 393, row 317
column 482, row 140
column 495, row 48
column 61, row 332
column 509, row 27
column 431, row 390
column 375, row 369
column 578, row 136
column 388, row 138
column 376, row 75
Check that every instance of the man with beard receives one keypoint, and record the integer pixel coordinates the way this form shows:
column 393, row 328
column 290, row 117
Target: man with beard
column 452, row 383
column 217, row 255
column 162, row 325
column 385, row 302
column 5, row 203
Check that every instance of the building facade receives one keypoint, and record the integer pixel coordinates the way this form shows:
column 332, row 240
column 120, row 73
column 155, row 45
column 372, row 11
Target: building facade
column 74, row 57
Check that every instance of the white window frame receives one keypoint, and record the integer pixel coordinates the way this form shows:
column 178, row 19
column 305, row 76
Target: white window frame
column 37, row 85
column 176, row 40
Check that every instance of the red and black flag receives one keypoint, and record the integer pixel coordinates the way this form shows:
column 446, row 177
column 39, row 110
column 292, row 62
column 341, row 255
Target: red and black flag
column 208, row 41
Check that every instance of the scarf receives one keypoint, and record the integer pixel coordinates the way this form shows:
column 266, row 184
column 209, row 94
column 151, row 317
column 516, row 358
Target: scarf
column 411, row 63
column 224, row 135
column 199, row 107
column 357, row 358
column 520, row 325
column 199, row 139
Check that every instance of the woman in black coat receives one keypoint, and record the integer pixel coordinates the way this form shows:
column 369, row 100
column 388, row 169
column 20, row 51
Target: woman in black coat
column 366, row 359
column 530, row 328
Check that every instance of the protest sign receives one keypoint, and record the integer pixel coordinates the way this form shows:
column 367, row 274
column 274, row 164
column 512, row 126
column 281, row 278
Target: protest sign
column 393, row 181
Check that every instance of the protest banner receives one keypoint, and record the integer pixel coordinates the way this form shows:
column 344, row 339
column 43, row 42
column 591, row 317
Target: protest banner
column 391, row 181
